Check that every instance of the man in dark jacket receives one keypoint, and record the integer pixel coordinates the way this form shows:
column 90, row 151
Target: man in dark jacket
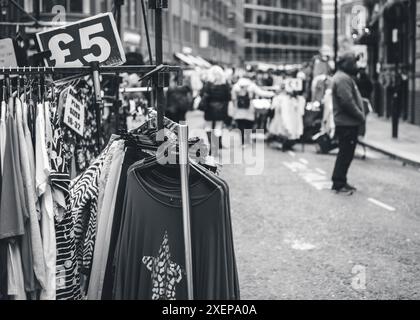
column 348, row 117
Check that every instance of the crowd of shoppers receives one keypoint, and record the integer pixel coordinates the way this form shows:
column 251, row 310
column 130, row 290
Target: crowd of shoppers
column 332, row 105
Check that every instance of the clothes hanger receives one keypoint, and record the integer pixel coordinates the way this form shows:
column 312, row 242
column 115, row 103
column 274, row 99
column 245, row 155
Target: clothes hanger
column 39, row 89
column 10, row 104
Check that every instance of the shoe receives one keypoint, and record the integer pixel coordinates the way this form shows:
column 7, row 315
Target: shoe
column 348, row 186
column 343, row 190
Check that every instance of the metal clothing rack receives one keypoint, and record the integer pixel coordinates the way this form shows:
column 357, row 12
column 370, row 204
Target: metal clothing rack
column 159, row 73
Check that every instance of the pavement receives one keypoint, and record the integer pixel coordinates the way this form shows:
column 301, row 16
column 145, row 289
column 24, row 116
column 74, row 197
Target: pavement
column 379, row 137
column 296, row 239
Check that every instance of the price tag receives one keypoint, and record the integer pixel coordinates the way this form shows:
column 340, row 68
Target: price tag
column 80, row 43
column 74, row 115
column 293, row 84
column 7, row 54
column 62, row 99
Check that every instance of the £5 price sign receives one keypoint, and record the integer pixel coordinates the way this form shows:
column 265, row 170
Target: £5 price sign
column 82, row 42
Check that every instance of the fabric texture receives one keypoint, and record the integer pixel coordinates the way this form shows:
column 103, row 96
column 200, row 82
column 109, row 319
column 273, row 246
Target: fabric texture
column 105, row 222
column 28, row 174
column 43, row 134
column 150, row 257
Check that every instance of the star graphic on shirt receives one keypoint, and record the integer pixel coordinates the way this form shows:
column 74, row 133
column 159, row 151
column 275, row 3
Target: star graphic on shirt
column 165, row 273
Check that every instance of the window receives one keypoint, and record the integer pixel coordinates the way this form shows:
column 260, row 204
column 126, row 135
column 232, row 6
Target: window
column 75, row 6
column 177, row 28
column 248, row 16
column 187, row 31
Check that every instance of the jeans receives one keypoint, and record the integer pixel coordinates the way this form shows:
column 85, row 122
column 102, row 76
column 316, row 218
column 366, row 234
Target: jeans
column 347, row 142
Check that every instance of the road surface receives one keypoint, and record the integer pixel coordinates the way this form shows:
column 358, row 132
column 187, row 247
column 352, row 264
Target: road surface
column 296, row 239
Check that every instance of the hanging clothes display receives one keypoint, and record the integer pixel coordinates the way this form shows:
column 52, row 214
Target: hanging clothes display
column 288, row 116
column 148, row 199
column 69, row 239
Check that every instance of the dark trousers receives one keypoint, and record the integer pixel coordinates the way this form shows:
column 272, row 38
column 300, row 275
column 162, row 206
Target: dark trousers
column 347, row 142
column 244, row 125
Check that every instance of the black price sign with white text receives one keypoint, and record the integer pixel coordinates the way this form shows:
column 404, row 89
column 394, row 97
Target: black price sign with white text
column 80, row 43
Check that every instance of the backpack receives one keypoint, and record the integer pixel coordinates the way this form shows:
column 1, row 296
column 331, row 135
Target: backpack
column 244, row 101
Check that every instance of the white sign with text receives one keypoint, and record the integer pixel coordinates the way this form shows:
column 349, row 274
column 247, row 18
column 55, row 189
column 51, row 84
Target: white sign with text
column 74, row 115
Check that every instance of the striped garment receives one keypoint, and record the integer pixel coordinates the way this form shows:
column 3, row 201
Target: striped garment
column 76, row 233
column 60, row 178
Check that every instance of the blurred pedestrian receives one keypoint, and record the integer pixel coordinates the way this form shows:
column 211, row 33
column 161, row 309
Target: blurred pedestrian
column 348, row 117
column 243, row 111
column 364, row 84
column 215, row 98
column 179, row 100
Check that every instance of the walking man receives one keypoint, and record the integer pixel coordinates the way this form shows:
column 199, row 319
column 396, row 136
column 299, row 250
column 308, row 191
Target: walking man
column 348, row 117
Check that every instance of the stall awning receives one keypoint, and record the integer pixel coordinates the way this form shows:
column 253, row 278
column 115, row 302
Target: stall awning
column 193, row 61
column 185, row 59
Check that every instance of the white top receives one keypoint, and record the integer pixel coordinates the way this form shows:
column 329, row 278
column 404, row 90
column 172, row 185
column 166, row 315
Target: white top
column 246, row 85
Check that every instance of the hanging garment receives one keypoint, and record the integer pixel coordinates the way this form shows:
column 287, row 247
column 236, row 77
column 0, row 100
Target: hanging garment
column 105, row 222
column 131, row 156
column 3, row 133
column 75, row 233
column 11, row 219
column 288, row 117
column 3, row 270
column 59, row 177
column 150, row 256
column 25, row 245
column 28, row 174
column 328, row 125
column 43, row 170
column 15, row 274
column 319, row 86
column 83, row 150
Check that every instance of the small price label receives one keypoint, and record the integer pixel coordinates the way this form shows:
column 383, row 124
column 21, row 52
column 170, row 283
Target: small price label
column 293, row 84
column 74, row 115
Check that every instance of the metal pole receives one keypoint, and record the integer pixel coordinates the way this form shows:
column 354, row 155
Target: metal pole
column 159, row 60
column 335, row 34
column 396, row 95
column 118, row 4
column 98, row 100
column 186, row 209
column 149, row 47
column 146, row 30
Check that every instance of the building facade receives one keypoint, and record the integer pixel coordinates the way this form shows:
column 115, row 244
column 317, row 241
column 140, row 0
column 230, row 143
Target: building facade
column 328, row 23
column 212, row 29
column 394, row 51
column 282, row 31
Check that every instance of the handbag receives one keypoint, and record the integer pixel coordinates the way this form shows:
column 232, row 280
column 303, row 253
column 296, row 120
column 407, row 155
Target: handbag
column 203, row 105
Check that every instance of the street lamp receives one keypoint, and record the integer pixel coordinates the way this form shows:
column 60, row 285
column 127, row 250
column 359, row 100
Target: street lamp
column 4, row 7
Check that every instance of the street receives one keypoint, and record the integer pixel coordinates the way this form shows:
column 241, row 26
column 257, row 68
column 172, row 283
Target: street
column 296, row 239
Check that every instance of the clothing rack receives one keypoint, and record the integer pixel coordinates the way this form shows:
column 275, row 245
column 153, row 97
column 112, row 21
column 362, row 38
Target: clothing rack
column 159, row 74
column 95, row 70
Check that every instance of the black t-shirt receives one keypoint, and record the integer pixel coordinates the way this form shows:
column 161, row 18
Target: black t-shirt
column 150, row 262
